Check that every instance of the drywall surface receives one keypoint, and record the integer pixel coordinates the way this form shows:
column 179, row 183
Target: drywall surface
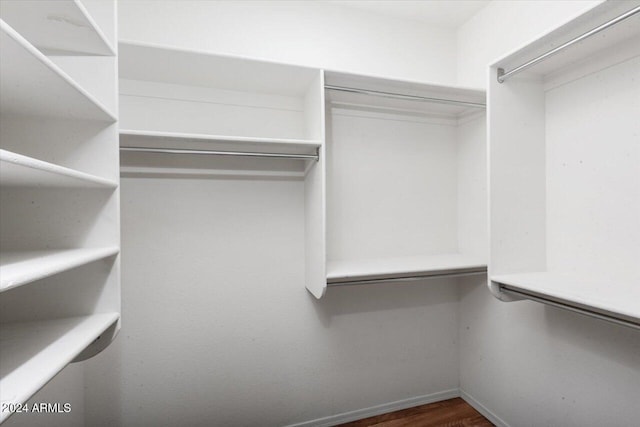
column 218, row 328
column 317, row 34
column 504, row 26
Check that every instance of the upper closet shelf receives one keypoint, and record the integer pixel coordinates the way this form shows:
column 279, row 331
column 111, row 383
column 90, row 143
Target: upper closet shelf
column 608, row 299
column 58, row 27
column 32, row 353
column 165, row 64
column 402, row 268
column 19, row 268
column 33, row 85
column 21, row 171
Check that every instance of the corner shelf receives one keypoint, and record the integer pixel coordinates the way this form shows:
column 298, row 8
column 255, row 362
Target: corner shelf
column 32, row 353
column 50, row 92
column 404, row 268
column 608, row 298
column 19, row 268
column 61, row 26
column 17, row 170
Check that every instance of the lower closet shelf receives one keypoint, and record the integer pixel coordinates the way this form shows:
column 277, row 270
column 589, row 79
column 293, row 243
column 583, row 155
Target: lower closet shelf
column 19, row 268
column 404, row 268
column 610, row 299
column 32, row 353
column 23, row 171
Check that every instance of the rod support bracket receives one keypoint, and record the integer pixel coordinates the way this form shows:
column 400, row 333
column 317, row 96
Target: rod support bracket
column 500, row 74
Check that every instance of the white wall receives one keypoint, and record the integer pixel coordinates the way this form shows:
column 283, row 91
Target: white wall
column 312, row 33
column 218, row 328
column 532, row 365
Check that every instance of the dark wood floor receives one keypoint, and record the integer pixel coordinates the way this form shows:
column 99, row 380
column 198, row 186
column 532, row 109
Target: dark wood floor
column 448, row 413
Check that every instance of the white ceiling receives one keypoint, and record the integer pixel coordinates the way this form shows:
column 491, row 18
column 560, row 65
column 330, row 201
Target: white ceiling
column 444, row 13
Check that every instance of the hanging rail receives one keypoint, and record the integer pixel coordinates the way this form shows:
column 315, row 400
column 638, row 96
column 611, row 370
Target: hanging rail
column 222, row 153
column 569, row 307
column 503, row 75
column 405, row 97
column 433, row 275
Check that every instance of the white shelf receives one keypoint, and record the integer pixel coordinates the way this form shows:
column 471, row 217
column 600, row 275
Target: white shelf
column 32, row 353
column 158, row 63
column 61, row 26
column 611, row 297
column 17, row 170
column 33, row 85
column 131, row 137
column 427, row 266
column 19, row 268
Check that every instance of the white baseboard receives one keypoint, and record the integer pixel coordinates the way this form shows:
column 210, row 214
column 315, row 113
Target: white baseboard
column 483, row 409
column 379, row 409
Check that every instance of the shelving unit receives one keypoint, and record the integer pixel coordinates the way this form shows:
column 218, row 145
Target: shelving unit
column 59, row 190
column 405, row 181
column 174, row 100
column 565, row 194
column 32, row 353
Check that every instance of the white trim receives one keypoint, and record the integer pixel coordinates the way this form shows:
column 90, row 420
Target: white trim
column 499, row 422
column 379, row 409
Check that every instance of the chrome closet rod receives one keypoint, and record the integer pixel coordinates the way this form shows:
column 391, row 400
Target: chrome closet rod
column 408, row 278
column 222, row 153
column 503, row 75
column 579, row 310
column 405, row 97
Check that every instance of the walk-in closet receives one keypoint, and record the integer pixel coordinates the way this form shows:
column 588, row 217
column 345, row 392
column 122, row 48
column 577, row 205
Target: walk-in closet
column 319, row 213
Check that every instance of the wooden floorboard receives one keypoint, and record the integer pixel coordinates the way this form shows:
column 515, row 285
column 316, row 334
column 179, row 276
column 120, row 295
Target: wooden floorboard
column 448, row 413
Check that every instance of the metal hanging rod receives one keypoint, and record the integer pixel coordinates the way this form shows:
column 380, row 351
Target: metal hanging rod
column 503, row 75
column 222, row 153
column 407, row 278
column 405, row 97
column 575, row 309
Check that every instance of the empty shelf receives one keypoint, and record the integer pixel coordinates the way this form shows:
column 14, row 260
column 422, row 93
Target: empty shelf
column 406, row 268
column 17, row 170
column 610, row 298
column 32, row 84
column 32, row 353
column 62, row 25
column 19, row 268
